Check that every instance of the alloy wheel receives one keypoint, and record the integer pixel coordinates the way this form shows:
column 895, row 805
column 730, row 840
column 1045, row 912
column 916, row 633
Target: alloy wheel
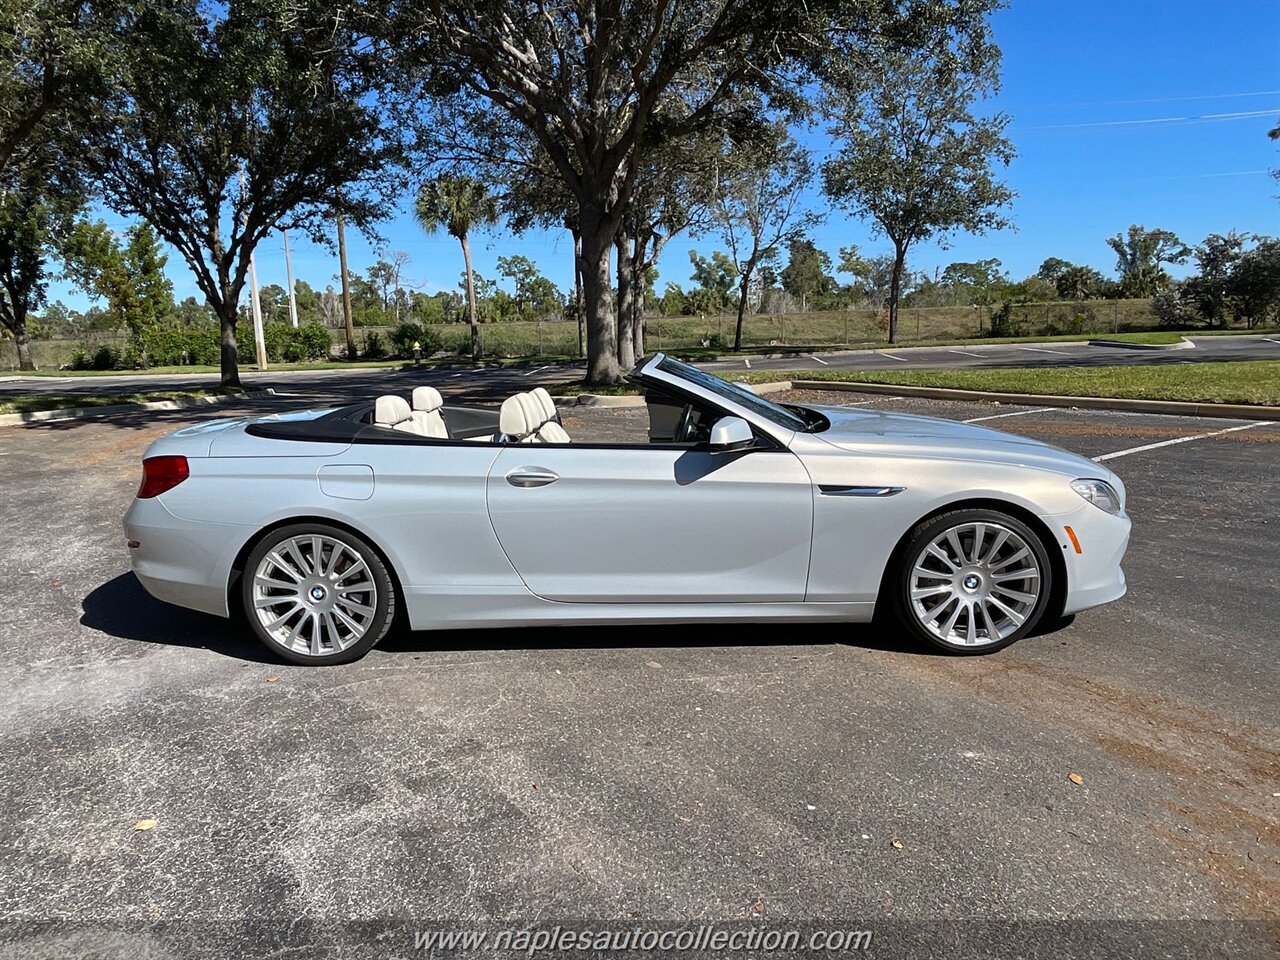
column 975, row 584
column 314, row 595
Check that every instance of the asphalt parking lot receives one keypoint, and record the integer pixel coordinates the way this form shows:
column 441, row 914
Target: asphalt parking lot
column 829, row 775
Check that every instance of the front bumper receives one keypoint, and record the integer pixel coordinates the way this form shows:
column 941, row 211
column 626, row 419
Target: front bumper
column 1094, row 575
column 183, row 562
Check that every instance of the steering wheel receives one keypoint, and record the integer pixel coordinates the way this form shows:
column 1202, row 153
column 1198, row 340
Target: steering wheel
column 685, row 427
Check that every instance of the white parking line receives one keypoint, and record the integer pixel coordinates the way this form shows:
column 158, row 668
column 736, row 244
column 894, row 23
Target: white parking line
column 532, row 372
column 747, row 362
column 966, row 353
column 1042, row 350
column 821, row 361
column 892, row 357
column 1170, row 443
column 1015, row 413
column 1271, row 340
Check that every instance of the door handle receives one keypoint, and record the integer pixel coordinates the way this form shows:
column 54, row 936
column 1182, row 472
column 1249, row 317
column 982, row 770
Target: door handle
column 531, row 477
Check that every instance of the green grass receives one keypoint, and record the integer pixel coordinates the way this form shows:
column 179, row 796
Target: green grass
column 35, row 402
column 1253, row 381
column 575, row 387
column 281, row 367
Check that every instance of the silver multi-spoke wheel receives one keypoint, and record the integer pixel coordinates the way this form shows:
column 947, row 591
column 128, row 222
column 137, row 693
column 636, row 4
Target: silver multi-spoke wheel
column 975, row 583
column 314, row 595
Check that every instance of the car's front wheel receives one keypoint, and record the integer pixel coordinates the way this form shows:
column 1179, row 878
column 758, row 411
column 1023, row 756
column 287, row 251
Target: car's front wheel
column 972, row 581
column 316, row 594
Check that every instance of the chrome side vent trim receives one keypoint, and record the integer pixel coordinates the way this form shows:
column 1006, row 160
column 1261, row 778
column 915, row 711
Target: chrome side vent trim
column 835, row 491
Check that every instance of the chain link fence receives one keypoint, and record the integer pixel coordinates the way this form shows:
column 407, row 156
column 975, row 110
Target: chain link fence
column 816, row 329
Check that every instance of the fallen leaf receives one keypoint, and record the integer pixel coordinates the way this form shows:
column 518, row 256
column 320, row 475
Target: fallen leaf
column 1076, row 779
column 653, row 664
column 895, row 843
column 145, row 825
column 535, row 786
column 757, row 908
column 272, row 679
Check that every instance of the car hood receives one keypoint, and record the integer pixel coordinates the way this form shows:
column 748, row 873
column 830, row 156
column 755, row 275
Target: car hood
column 902, row 434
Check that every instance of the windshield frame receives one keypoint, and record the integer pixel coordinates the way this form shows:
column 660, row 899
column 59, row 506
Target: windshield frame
column 778, row 416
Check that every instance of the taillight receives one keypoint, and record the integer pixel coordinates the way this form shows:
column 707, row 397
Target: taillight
column 160, row 474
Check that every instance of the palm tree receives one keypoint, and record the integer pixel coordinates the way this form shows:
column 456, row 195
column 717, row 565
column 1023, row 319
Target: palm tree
column 458, row 204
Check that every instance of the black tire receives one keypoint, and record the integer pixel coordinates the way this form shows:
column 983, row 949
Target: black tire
column 898, row 584
column 383, row 588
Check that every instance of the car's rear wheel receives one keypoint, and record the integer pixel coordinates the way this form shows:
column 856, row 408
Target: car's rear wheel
column 972, row 581
column 316, row 594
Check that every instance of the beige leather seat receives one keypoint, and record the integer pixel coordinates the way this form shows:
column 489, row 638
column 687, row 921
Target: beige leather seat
column 395, row 412
column 524, row 419
column 552, row 432
column 548, row 405
column 519, row 419
column 426, row 412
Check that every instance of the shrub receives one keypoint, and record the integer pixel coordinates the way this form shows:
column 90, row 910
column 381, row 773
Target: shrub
column 283, row 343
column 1171, row 309
column 79, row 360
column 406, row 335
column 1003, row 321
column 313, row 342
column 107, row 357
column 373, row 347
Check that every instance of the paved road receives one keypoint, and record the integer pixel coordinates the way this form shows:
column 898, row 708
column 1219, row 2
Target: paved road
column 353, row 383
column 973, row 356
column 633, row 776
column 489, row 382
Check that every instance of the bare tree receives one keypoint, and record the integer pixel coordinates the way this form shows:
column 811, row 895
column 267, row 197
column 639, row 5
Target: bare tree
column 758, row 207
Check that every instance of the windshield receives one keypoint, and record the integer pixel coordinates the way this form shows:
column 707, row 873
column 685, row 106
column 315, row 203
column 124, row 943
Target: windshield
column 743, row 398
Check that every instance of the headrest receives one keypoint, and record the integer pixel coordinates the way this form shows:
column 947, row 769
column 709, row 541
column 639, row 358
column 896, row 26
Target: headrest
column 548, row 405
column 517, row 418
column 427, row 399
column 390, row 410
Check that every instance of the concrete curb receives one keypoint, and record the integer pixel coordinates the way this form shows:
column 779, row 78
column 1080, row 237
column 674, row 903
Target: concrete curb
column 1234, row 411
column 603, row 400
column 1182, row 344
column 88, row 413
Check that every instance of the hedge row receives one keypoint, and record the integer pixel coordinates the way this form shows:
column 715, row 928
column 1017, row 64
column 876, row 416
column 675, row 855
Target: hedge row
column 202, row 346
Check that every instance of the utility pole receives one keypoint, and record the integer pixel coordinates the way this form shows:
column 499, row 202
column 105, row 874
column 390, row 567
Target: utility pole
column 288, row 269
column 260, row 347
column 346, row 288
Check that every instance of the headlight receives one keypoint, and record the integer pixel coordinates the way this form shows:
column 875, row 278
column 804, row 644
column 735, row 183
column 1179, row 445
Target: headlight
column 1100, row 493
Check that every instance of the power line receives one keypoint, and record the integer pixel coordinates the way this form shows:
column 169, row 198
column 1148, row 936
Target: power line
column 1115, row 103
column 1205, row 118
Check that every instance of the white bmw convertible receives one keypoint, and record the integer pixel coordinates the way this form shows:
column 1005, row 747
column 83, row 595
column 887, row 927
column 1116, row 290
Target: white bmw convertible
column 326, row 525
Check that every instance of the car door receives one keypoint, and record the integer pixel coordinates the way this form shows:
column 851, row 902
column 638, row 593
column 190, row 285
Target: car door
column 654, row 523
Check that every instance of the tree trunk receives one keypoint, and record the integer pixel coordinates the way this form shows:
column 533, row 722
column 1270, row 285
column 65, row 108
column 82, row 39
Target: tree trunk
column 743, row 284
column 895, row 287
column 471, row 299
column 21, row 341
column 626, row 344
column 230, row 360
column 638, row 272
column 346, row 290
column 597, row 305
column 577, row 293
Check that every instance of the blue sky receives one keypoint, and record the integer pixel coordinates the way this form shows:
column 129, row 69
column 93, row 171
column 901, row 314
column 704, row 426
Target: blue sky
column 1124, row 111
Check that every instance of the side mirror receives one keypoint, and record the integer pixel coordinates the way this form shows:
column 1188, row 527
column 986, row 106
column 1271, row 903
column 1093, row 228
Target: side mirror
column 731, row 433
